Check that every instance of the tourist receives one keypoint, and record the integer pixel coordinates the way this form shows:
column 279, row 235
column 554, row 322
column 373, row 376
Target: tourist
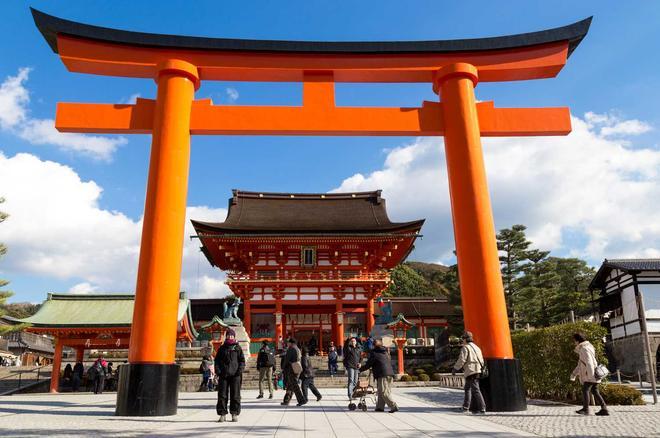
column 266, row 367
column 332, row 359
column 312, row 345
column 471, row 361
column 206, row 368
column 280, row 345
column 291, row 368
column 307, row 376
column 76, row 379
column 369, row 344
column 585, row 371
column 351, row 364
column 229, row 366
column 68, row 375
column 99, row 369
column 381, row 365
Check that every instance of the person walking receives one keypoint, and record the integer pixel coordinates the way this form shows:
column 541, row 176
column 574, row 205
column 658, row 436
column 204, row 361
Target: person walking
column 266, row 367
column 100, row 368
column 76, row 379
column 292, row 368
column 332, row 359
column 307, row 376
column 229, row 366
column 585, row 371
column 351, row 364
column 381, row 365
column 206, row 368
column 471, row 361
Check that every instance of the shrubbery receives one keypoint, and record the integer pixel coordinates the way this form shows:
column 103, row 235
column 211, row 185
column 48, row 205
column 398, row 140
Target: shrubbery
column 621, row 395
column 405, row 378
column 414, row 378
column 547, row 358
column 436, row 377
column 424, row 377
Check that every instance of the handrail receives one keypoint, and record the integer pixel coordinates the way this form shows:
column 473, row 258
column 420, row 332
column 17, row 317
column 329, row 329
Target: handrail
column 20, row 376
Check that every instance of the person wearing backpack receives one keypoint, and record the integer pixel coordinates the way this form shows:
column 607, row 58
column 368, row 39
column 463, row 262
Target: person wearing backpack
column 586, row 372
column 206, row 368
column 229, row 366
column 292, row 368
column 266, row 367
column 307, row 376
column 471, row 361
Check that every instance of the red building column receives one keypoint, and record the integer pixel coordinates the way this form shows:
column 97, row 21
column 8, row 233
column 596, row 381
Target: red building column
column 278, row 322
column 80, row 354
column 247, row 316
column 370, row 315
column 57, row 364
column 482, row 293
column 339, row 323
column 152, row 369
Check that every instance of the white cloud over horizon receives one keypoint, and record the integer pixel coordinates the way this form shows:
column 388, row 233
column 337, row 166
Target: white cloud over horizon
column 56, row 229
column 589, row 194
column 15, row 118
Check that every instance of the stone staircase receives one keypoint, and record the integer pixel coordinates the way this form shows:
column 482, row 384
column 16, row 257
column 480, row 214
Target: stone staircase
column 13, row 379
column 322, row 377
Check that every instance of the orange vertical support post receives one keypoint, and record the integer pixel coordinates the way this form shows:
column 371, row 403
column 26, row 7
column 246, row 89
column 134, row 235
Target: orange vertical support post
column 339, row 315
column 80, row 354
column 57, row 364
column 482, row 293
column 399, row 355
column 370, row 315
column 153, row 332
column 247, row 317
column 278, row 323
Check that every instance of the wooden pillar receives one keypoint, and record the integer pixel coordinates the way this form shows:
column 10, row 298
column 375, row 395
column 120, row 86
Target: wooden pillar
column 399, row 354
column 153, row 333
column 339, row 315
column 278, row 322
column 370, row 315
column 482, row 294
column 57, row 364
column 247, row 317
column 80, row 354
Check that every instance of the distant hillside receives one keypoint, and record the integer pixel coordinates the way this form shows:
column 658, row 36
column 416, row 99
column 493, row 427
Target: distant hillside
column 428, row 270
column 20, row 310
column 417, row 279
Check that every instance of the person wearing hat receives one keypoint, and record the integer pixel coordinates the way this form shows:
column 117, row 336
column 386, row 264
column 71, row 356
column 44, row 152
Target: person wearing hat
column 266, row 367
column 471, row 361
column 229, row 366
column 381, row 365
column 292, row 367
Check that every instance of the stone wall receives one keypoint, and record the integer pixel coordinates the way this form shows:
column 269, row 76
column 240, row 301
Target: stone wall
column 630, row 355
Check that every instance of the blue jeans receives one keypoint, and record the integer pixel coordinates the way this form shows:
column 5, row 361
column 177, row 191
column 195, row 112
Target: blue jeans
column 352, row 374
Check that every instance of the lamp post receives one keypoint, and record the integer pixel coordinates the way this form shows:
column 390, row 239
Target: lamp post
column 399, row 327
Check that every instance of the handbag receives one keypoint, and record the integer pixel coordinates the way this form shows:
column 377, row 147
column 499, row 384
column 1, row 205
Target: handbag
column 485, row 372
column 296, row 367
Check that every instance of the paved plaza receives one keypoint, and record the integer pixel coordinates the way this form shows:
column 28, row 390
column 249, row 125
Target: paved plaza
column 424, row 412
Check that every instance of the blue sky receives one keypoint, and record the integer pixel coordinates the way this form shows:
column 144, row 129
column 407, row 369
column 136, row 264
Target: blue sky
column 612, row 75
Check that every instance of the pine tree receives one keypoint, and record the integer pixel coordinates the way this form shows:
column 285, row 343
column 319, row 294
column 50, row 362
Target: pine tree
column 4, row 294
column 513, row 247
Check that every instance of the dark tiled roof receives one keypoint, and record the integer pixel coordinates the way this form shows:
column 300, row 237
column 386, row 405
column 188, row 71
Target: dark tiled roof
column 254, row 212
column 624, row 265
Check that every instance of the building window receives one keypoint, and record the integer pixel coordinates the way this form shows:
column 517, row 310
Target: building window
column 308, row 256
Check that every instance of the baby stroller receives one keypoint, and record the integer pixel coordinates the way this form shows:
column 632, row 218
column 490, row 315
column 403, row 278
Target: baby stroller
column 363, row 390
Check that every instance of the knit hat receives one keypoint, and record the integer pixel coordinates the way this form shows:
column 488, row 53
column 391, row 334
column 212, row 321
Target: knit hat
column 467, row 336
column 230, row 332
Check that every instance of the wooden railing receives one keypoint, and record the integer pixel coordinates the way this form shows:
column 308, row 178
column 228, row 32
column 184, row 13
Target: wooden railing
column 309, row 276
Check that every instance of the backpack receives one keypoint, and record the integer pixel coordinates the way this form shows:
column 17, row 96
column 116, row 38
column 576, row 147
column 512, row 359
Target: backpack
column 332, row 356
column 271, row 359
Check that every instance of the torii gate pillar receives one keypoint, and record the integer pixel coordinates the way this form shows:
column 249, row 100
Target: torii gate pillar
column 482, row 293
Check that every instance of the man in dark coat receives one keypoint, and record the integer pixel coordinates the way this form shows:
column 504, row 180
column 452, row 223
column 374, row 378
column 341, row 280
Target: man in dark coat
column 291, row 367
column 266, row 367
column 381, row 365
column 307, row 376
column 229, row 366
column 352, row 364
column 78, row 371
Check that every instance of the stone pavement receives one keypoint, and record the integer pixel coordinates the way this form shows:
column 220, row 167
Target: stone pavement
column 425, row 412
column 559, row 420
column 86, row 414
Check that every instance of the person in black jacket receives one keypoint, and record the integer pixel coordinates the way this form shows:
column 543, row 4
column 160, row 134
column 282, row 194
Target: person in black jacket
column 266, row 367
column 307, row 376
column 229, row 366
column 352, row 364
column 290, row 362
column 381, row 365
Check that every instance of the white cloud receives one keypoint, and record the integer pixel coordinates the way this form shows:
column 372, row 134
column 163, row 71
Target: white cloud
column 588, row 194
column 15, row 118
column 232, row 94
column 57, row 229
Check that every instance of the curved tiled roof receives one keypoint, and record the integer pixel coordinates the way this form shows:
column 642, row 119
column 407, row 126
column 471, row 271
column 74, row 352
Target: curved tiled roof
column 624, row 265
column 310, row 213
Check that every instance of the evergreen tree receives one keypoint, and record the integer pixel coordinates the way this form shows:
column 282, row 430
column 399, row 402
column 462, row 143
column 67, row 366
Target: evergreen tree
column 449, row 281
column 4, row 294
column 406, row 282
column 513, row 247
column 538, row 290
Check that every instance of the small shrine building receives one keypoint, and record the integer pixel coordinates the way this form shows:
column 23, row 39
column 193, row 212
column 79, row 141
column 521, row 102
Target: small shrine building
column 307, row 264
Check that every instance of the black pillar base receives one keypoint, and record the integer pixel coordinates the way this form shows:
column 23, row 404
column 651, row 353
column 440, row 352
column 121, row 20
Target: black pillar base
column 147, row 390
column 503, row 390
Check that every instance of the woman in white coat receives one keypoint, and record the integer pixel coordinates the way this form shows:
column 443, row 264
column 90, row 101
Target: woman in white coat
column 585, row 371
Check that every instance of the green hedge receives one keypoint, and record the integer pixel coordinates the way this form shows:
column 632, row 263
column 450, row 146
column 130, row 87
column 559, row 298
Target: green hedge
column 547, row 358
column 405, row 378
column 621, row 395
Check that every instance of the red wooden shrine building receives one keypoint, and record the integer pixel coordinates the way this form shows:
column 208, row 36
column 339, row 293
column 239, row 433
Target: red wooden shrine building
column 307, row 264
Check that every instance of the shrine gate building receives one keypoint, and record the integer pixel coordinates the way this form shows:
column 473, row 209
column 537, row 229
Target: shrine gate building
column 307, row 264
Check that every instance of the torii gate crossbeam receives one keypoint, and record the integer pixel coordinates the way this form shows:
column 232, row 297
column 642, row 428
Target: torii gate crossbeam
column 178, row 64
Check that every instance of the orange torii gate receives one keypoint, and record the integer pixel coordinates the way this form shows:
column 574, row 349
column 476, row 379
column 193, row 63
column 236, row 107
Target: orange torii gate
column 178, row 64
